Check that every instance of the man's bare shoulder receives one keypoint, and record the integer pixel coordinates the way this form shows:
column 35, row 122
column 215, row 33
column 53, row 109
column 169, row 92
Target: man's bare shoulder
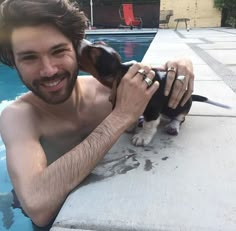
column 88, row 82
column 22, row 105
column 16, row 115
column 94, row 92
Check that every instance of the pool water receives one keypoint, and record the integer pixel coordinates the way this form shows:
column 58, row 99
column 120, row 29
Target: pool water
column 129, row 47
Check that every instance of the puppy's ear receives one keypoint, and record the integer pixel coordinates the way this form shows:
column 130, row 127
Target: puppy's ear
column 94, row 54
column 100, row 43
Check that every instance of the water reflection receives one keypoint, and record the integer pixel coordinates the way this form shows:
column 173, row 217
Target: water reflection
column 10, row 84
column 129, row 47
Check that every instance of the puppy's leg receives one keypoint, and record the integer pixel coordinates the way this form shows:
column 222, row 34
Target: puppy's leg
column 174, row 126
column 145, row 135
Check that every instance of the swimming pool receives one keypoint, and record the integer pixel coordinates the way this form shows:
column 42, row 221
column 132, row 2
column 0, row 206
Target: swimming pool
column 130, row 48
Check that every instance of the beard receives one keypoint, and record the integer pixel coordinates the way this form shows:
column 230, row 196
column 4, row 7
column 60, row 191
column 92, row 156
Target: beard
column 55, row 97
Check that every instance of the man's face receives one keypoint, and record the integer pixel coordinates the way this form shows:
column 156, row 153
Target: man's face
column 46, row 62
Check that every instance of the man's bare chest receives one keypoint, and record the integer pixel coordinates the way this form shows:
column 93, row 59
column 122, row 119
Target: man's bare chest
column 60, row 143
column 61, row 136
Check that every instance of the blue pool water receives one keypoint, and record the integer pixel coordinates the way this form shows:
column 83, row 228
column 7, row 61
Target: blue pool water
column 130, row 48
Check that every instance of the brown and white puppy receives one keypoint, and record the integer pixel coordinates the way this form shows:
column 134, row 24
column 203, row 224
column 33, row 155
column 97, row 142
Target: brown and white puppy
column 104, row 63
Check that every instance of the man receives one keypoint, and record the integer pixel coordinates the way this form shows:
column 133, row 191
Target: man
column 57, row 133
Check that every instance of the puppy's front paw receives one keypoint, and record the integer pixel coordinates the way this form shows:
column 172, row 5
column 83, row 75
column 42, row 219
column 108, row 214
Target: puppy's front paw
column 145, row 135
column 142, row 139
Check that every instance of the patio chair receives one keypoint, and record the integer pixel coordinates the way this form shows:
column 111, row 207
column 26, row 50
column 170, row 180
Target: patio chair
column 127, row 16
column 165, row 17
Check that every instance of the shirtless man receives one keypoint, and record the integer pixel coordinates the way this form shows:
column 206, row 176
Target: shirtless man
column 57, row 133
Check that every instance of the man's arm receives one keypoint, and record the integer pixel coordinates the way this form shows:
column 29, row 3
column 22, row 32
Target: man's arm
column 42, row 189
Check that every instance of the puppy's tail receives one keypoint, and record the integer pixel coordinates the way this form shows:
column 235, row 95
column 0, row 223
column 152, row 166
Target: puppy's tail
column 199, row 98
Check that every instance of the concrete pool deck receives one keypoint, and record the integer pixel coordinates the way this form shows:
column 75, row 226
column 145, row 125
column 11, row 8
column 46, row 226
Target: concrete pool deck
column 186, row 182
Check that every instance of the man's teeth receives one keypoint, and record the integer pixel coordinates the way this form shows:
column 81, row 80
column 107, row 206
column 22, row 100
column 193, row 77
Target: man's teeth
column 52, row 84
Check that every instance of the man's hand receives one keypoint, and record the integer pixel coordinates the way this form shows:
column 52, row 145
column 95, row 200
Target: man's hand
column 181, row 89
column 133, row 93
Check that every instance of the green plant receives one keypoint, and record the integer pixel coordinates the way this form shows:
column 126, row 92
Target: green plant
column 219, row 4
column 228, row 8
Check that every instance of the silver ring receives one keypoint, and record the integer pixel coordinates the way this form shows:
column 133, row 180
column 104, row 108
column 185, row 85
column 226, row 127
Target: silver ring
column 143, row 73
column 181, row 78
column 148, row 81
column 173, row 69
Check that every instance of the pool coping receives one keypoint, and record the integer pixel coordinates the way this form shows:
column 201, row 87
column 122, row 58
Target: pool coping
column 124, row 31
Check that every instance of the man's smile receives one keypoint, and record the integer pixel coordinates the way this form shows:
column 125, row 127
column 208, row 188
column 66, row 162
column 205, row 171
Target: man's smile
column 54, row 85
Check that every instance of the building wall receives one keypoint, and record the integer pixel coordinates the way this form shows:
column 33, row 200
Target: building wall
column 200, row 12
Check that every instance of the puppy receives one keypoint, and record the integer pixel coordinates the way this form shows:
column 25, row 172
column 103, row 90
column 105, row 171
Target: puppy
column 104, row 63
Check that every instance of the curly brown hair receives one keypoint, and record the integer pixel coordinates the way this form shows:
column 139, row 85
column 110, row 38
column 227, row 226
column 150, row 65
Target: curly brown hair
column 64, row 15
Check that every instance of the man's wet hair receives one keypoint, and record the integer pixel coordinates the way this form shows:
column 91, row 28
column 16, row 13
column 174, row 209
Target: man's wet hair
column 63, row 14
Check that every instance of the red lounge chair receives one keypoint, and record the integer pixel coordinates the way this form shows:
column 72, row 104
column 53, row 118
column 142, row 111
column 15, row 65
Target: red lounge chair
column 127, row 15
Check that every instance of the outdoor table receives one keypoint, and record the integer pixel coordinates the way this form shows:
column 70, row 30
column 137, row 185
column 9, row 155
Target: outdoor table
column 177, row 20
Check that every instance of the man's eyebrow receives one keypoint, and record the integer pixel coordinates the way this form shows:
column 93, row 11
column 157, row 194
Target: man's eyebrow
column 31, row 52
column 61, row 45
column 22, row 53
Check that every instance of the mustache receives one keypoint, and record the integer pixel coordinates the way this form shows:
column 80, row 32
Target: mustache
column 54, row 77
column 47, row 79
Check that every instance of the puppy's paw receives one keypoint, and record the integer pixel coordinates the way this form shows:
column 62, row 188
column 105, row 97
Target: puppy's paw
column 142, row 138
column 173, row 127
column 145, row 135
column 172, row 131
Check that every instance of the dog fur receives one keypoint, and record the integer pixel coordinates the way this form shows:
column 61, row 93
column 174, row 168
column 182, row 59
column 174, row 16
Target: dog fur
column 104, row 63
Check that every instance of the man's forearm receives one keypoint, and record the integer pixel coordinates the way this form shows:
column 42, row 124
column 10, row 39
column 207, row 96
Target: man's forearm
column 57, row 180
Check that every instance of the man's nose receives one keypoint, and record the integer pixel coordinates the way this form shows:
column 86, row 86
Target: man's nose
column 48, row 68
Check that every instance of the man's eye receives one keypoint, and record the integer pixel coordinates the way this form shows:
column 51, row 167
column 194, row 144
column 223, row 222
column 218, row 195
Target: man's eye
column 29, row 57
column 59, row 51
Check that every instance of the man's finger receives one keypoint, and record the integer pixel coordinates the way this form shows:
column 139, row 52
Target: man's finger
column 171, row 73
column 176, row 91
column 153, row 88
column 188, row 93
column 184, row 82
column 180, row 95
